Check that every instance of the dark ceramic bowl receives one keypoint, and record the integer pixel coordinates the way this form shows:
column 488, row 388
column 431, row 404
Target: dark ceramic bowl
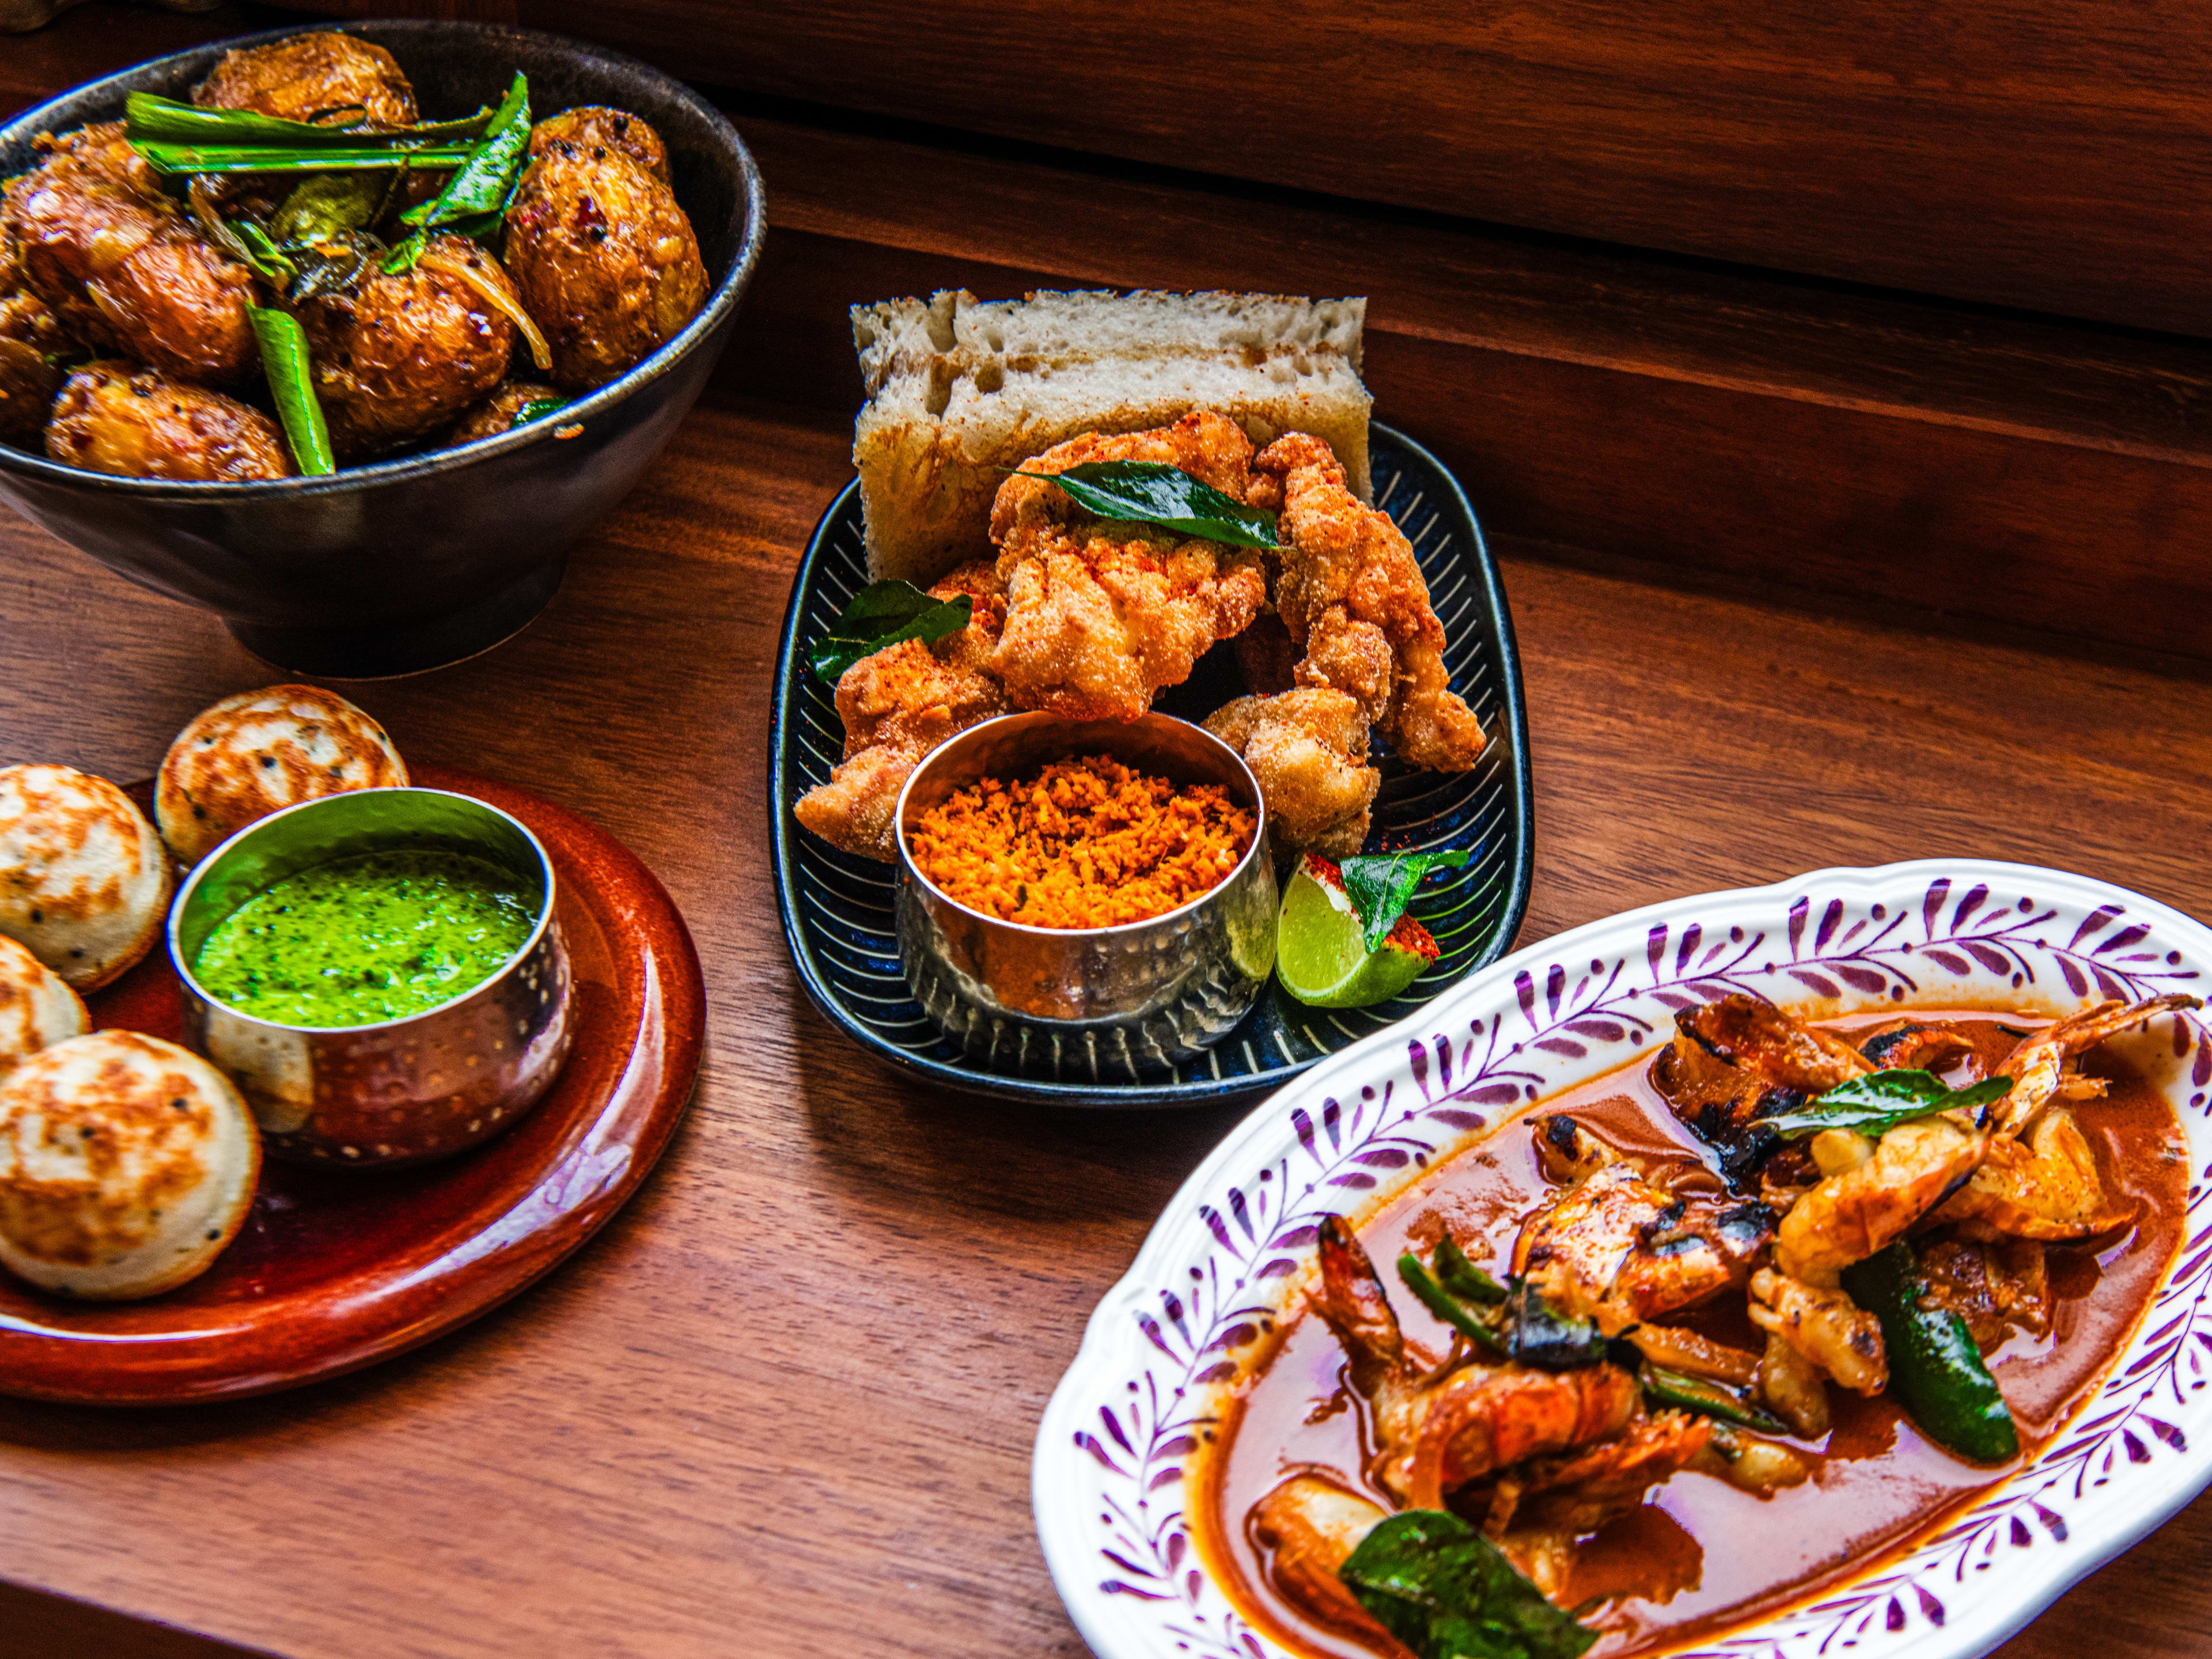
column 408, row 564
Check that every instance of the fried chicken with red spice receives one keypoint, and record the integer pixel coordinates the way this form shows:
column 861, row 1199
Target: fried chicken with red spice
column 1352, row 594
column 1101, row 613
column 897, row 705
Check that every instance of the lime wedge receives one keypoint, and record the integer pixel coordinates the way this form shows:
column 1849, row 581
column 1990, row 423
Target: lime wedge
column 1321, row 957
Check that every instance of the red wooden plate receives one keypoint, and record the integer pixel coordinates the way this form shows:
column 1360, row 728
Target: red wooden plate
column 333, row 1272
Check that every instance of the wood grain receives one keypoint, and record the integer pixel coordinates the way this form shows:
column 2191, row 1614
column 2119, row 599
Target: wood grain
column 2047, row 154
column 1753, row 428
column 783, row 1404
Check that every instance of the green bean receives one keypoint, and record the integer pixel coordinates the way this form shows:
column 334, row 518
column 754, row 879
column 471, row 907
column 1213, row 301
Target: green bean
column 292, row 383
column 1439, row 1300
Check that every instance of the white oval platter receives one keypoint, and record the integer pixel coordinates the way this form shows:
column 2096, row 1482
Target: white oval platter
column 1107, row 1476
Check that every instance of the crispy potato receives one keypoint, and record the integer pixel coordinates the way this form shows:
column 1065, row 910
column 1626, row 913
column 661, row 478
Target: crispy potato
column 309, row 76
column 120, row 265
column 594, row 127
column 604, row 258
column 114, row 416
column 497, row 413
column 403, row 354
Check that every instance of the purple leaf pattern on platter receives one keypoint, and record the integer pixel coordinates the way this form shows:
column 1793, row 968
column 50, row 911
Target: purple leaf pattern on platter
column 1419, row 1101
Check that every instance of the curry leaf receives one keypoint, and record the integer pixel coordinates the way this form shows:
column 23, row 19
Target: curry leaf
column 1445, row 1591
column 1153, row 492
column 538, row 408
column 484, row 181
column 883, row 614
column 1882, row 1100
column 267, row 259
column 1382, row 887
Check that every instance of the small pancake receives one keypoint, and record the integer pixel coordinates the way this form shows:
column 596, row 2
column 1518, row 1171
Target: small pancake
column 37, row 1008
column 126, row 1164
column 260, row 752
column 83, row 880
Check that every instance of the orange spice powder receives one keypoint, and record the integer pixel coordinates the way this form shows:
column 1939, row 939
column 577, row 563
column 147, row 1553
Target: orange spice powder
column 1085, row 843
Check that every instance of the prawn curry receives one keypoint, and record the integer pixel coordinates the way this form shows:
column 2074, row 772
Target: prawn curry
column 1677, row 1347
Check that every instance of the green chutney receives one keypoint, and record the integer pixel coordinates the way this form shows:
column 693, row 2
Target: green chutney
column 362, row 940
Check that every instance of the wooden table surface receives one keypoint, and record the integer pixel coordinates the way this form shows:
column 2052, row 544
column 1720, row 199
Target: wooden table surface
column 783, row 1404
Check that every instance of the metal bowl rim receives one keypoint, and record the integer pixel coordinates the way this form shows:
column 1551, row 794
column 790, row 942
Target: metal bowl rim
column 720, row 304
column 527, row 948
column 908, row 869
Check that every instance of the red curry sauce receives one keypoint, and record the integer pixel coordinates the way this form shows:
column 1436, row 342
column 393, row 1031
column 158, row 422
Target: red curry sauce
column 1700, row 1556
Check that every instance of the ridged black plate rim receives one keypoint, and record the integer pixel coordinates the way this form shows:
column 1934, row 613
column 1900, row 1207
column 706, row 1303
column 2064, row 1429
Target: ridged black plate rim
column 1493, row 623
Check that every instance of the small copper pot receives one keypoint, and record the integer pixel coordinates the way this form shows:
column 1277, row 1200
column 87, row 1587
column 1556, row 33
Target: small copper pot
column 404, row 1091
column 1140, row 996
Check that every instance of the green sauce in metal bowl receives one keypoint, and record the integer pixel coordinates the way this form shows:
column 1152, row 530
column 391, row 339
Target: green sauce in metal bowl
column 367, row 938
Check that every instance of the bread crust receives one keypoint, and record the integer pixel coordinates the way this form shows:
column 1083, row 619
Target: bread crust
column 959, row 389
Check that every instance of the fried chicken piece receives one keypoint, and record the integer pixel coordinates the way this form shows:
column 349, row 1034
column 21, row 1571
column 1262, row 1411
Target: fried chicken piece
column 899, row 704
column 1349, row 589
column 1308, row 751
column 1101, row 613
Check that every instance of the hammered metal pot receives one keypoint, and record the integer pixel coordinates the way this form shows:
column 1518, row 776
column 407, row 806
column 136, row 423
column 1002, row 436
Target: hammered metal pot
column 1144, row 994
column 406, row 1090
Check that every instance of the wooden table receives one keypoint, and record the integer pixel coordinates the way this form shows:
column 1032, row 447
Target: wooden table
column 783, row 1405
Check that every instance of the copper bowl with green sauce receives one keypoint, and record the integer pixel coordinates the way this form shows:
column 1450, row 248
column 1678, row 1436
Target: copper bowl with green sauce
column 380, row 972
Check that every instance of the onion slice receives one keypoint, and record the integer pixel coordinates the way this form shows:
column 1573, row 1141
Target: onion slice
column 540, row 352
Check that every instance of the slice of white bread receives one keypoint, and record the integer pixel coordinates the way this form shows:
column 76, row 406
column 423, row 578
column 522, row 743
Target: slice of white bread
column 958, row 390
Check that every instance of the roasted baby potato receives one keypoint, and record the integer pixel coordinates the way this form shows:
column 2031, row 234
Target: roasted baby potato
column 498, row 412
column 27, row 384
column 115, row 417
column 604, row 258
column 121, row 266
column 591, row 127
column 401, row 355
column 30, row 336
column 311, row 77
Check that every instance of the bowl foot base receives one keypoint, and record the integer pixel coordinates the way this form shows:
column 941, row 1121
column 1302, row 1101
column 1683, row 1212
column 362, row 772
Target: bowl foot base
column 415, row 648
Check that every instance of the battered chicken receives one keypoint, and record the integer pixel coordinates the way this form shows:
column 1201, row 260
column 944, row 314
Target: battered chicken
column 1101, row 613
column 1352, row 594
column 1308, row 751
column 899, row 704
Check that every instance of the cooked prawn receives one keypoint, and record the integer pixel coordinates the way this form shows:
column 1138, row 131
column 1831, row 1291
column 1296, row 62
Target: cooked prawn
column 1486, row 1419
column 1851, row 1215
column 1433, row 1432
column 1824, row 1327
column 1616, row 1248
column 2036, row 1066
column 1308, row 1528
column 2044, row 1185
column 1576, row 1492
